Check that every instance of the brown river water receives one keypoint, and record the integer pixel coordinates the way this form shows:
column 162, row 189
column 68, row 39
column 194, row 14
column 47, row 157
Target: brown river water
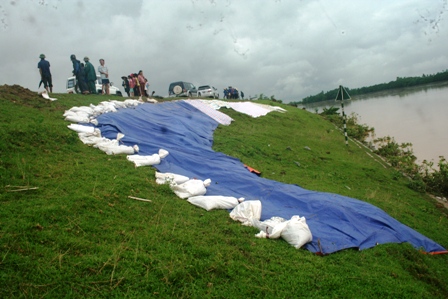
column 418, row 115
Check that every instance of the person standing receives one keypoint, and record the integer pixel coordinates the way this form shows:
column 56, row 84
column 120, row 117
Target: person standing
column 137, row 85
column 90, row 75
column 142, row 82
column 104, row 74
column 146, row 87
column 82, row 80
column 131, row 84
column 125, row 85
column 79, row 75
column 45, row 74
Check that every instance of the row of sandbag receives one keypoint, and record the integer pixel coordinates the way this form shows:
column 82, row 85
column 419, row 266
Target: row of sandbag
column 88, row 114
column 295, row 230
column 92, row 136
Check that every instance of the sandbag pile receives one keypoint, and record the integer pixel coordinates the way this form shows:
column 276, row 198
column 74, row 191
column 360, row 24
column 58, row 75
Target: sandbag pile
column 88, row 114
column 92, row 136
column 294, row 231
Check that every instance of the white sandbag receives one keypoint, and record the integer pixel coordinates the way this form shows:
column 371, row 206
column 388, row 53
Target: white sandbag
column 140, row 160
column 170, row 178
column 131, row 103
column 75, row 117
column 106, row 143
column 163, row 153
column 76, row 109
column 45, row 95
column 246, row 212
column 190, row 188
column 103, row 107
column 120, row 150
column 271, row 228
column 91, row 139
column 297, row 233
column 118, row 104
column 119, row 136
column 81, row 128
column 112, row 147
column 215, row 202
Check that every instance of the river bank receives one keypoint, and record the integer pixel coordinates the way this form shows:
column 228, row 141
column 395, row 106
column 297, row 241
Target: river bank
column 416, row 115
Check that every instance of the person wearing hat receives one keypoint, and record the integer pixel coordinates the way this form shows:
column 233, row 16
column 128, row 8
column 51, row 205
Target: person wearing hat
column 90, row 75
column 45, row 74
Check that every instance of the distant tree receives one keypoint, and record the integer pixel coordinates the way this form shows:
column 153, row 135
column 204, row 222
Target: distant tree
column 400, row 82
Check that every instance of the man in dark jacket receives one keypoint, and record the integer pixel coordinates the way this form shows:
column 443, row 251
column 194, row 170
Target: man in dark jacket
column 125, row 85
column 78, row 73
column 90, row 75
column 45, row 74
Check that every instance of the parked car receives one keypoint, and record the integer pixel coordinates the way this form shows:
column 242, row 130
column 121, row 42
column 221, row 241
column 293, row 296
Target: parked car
column 72, row 87
column 208, row 91
column 182, row 89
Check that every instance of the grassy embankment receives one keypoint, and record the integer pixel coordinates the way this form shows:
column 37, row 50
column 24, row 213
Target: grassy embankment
column 79, row 235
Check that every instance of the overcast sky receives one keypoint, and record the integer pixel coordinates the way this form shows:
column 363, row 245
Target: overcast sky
column 287, row 48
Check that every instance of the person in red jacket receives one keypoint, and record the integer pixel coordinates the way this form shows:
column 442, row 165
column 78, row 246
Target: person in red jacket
column 131, row 84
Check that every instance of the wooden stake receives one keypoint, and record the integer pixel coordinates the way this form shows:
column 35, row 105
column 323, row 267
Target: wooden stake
column 141, row 199
column 22, row 188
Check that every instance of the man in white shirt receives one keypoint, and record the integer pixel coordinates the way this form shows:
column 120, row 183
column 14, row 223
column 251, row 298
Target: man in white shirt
column 104, row 74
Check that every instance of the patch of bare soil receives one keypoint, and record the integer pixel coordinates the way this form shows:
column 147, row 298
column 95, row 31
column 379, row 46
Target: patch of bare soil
column 22, row 96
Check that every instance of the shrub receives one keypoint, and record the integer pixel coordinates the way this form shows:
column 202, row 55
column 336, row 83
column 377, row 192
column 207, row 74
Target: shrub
column 436, row 180
column 355, row 130
column 424, row 177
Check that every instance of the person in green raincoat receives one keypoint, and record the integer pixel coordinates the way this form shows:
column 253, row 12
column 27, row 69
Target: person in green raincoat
column 90, row 75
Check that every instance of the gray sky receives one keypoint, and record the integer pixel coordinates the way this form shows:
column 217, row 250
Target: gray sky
column 287, row 48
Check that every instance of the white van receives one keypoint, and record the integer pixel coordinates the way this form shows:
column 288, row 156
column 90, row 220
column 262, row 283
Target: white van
column 73, row 88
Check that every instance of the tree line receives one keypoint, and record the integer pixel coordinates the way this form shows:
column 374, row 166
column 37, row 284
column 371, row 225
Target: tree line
column 400, row 82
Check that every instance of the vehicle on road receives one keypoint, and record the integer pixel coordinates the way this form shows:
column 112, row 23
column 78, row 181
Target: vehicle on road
column 208, row 91
column 182, row 89
column 72, row 87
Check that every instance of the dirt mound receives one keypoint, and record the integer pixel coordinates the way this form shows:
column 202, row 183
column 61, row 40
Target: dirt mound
column 22, row 96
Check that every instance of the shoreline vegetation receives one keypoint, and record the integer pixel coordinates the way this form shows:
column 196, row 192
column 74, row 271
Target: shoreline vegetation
column 425, row 177
column 70, row 228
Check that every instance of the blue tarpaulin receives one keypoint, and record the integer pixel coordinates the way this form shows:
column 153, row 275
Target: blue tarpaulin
column 336, row 222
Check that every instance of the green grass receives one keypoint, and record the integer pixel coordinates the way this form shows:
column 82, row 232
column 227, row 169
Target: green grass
column 79, row 235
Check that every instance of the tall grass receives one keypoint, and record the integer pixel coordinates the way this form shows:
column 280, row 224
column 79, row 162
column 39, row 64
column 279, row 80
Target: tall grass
column 78, row 234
